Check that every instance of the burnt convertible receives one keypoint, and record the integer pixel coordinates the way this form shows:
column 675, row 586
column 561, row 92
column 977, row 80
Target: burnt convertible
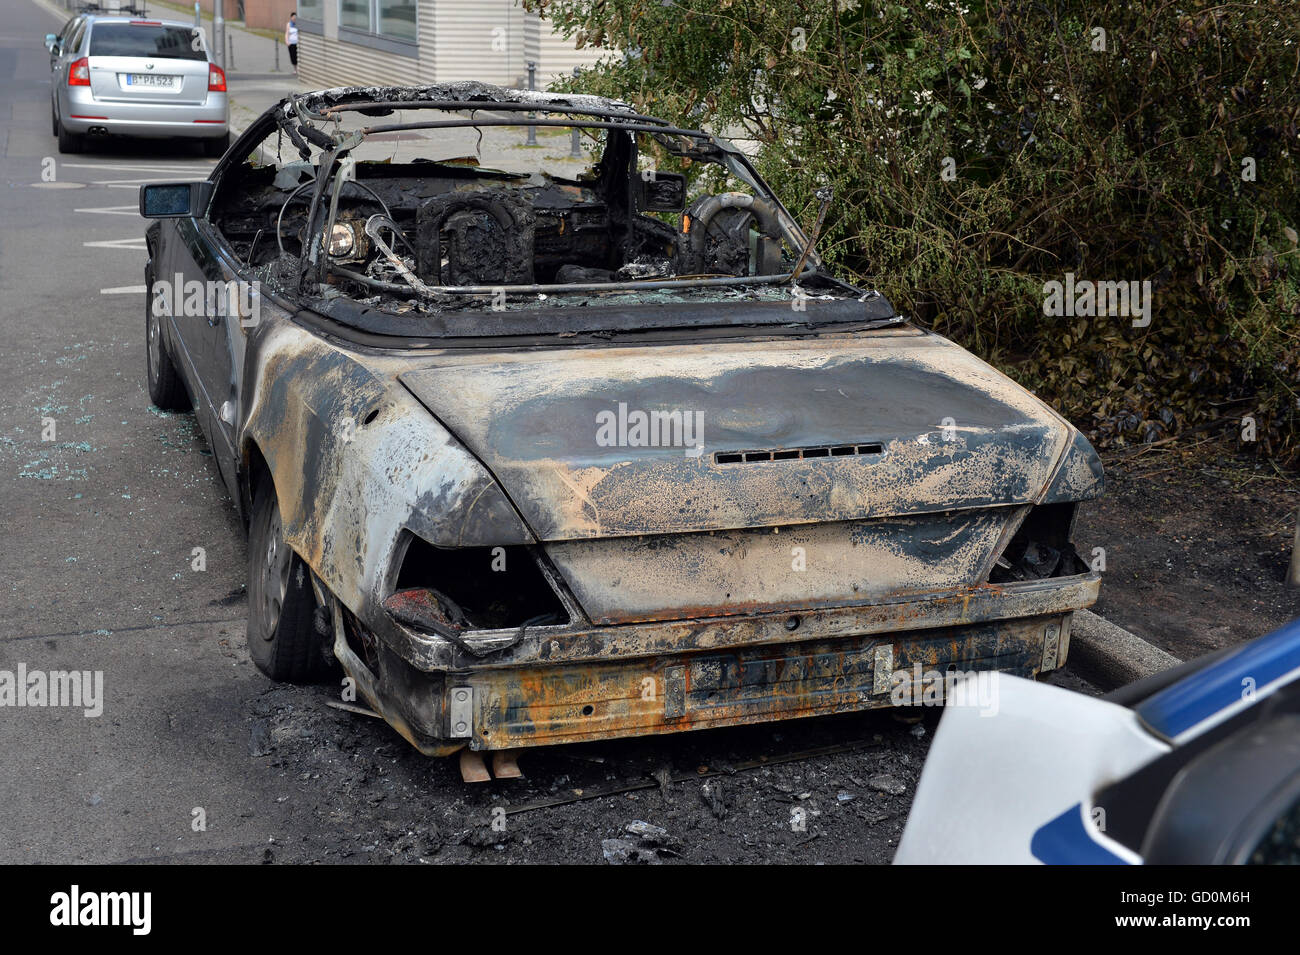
column 596, row 450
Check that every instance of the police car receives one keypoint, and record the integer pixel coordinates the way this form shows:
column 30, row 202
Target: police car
column 1196, row 765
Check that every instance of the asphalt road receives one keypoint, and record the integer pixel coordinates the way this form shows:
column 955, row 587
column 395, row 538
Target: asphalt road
column 101, row 524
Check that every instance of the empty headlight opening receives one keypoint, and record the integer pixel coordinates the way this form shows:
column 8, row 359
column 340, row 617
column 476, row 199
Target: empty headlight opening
column 482, row 588
column 1041, row 548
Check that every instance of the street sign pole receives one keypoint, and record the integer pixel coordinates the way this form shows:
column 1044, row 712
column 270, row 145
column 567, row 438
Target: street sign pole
column 532, row 85
column 219, row 33
column 575, row 142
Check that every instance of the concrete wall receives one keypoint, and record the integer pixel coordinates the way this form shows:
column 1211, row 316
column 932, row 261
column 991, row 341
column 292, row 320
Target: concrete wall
column 479, row 40
column 268, row 14
column 257, row 14
column 325, row 60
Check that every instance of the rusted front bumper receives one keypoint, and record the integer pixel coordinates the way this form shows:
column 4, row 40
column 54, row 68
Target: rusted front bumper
column 606, row 682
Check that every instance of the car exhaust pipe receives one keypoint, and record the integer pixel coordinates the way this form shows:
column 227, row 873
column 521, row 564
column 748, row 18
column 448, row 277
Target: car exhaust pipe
column 98, row 131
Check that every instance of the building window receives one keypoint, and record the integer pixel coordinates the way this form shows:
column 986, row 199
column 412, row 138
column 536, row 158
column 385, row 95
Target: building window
column 355, row 14
column 396, row 18
column 311, row 10
column 390, row 18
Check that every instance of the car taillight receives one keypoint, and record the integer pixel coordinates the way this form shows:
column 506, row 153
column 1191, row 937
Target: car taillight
column 79, row 73
column 216, row 79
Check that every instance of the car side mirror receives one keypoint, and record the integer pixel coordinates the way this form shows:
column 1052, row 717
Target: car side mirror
column 663, row 192
column 51, row 41
column 174, row 200
column 1234, row 804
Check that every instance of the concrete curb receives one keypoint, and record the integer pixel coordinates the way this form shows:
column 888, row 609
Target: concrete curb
column 1108, row 656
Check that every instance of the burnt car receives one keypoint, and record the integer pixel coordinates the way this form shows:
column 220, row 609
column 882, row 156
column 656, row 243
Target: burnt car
column 543, row 449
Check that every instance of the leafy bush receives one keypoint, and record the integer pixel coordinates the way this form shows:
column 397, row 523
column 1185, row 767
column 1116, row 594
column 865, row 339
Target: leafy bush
column 980, row 150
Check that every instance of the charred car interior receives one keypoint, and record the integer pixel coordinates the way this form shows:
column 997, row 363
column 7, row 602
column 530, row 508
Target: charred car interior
column 542, row 455
column 435, row 232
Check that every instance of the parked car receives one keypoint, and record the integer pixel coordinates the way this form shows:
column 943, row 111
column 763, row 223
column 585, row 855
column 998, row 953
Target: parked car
column 1199, row 765
column 122, row 76
column 596, row 452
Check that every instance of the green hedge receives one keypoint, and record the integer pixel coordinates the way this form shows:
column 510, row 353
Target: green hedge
column 1115, row 141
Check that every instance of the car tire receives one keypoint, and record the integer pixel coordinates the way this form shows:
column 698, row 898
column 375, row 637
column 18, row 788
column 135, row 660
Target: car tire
column 166, row 389
column 216, row 148
column 282, row 636
column 68, row 142
column 54, row 122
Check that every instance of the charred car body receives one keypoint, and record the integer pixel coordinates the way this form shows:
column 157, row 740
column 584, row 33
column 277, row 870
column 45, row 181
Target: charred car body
column 542, row 458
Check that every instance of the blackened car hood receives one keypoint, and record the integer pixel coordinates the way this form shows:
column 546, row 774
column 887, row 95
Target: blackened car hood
column 777, row 432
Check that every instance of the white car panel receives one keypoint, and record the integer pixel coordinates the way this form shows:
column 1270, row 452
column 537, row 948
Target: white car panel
column 1043, row 751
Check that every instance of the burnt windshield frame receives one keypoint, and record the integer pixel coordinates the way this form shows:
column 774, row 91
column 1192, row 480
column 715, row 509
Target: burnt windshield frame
column 596, row 321
column 725, row 155
column 382, row 109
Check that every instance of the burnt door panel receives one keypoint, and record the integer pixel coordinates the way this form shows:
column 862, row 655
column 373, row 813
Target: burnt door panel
column 206, row 314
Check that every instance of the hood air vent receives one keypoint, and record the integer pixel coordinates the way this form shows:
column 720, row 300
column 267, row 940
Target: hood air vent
column 794, row 454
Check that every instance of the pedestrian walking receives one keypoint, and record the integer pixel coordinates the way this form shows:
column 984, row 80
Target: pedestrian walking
column 291, row 39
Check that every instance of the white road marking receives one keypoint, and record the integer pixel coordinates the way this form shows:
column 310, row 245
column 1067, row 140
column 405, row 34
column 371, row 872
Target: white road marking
column 110, row 182
column 58, row 185
column 111, row 167
column 114, row 210
column 124, row 290
column 133, row 244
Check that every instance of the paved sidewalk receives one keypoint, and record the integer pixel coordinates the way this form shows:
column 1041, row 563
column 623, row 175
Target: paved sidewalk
column 251, row 97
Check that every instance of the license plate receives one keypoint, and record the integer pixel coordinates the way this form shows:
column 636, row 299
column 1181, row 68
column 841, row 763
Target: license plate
column 148, row 79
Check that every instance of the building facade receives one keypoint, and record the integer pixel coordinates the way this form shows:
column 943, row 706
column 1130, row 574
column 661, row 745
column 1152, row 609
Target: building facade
column 363, row 42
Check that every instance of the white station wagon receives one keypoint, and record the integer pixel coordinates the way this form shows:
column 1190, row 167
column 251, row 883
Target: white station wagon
column 131, row 77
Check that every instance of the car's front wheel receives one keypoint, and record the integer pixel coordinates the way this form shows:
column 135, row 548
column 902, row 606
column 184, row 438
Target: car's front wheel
column 282, row 638
column 166, row 389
